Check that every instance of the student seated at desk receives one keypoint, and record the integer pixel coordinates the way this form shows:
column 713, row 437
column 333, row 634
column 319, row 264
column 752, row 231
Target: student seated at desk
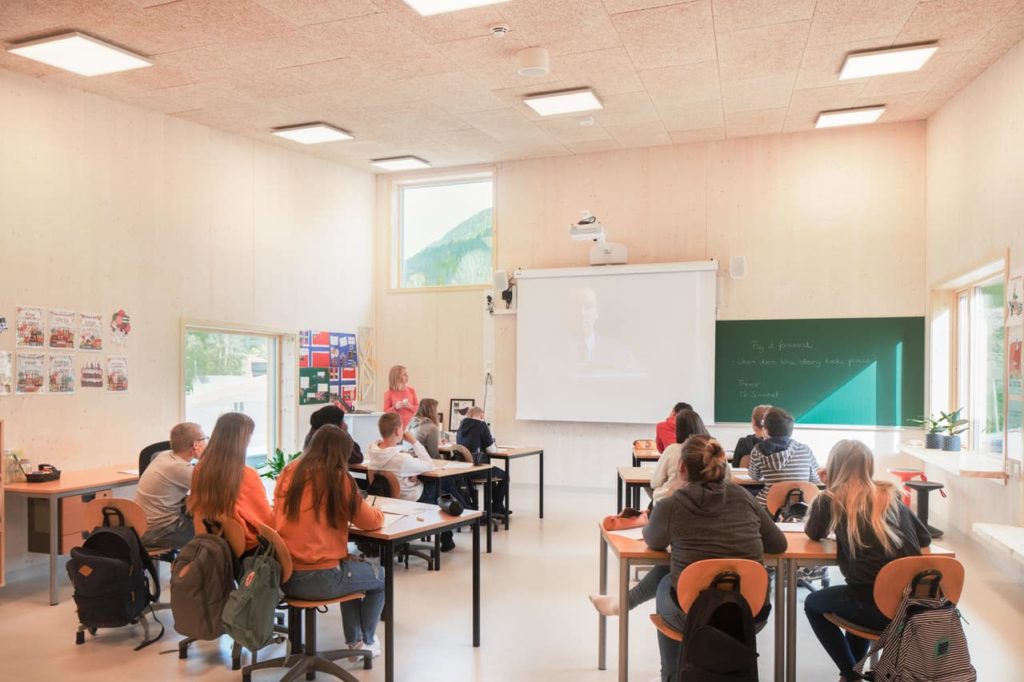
column 335, row 416
column 872, row 528
column 665, row 431
column 475, row 436
column 666, row 478
column 779, row 457
column 709, row 518
column 424, row 426
column 745, row 445
column 386, row 455
column 314, row 501
column 164, row 487
column 223, row 485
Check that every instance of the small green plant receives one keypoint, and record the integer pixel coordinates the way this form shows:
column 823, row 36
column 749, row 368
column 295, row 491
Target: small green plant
column 276, row 464
column 952, row 423
column 931, row 424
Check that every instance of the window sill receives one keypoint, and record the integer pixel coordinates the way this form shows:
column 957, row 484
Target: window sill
column 966, row 463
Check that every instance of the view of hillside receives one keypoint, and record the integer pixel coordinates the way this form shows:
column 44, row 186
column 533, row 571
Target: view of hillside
column 461, row 256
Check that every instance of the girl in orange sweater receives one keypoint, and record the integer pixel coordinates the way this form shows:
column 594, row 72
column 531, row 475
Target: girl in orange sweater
column 314, row 502
column 223, row 486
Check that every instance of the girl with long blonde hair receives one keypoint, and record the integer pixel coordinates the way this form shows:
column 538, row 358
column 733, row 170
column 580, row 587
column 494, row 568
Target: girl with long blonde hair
column 872, row 528
column 400, row 396
column 222, row 485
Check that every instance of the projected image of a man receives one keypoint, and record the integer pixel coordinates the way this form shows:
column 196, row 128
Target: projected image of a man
column 593, row 351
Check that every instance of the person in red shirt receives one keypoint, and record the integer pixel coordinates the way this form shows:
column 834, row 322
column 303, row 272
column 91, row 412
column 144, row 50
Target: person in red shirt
column 400, row 396
column 665, row 431
column 314, row 502
column 222, row 485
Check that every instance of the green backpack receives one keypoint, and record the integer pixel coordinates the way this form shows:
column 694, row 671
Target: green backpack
column 249, row 612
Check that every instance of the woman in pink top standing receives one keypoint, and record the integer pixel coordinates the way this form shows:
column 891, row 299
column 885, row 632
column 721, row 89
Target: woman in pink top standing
column 400, row 397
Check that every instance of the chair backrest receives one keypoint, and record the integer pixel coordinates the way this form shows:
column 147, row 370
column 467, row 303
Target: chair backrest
column 897, row 574
column 133, row 515
column 462, row 452
column 645, row 444
column 778, row 492
column 390, row 476
column 226, row 527
column 151, row 451
column 698, row 576
column 281, row 552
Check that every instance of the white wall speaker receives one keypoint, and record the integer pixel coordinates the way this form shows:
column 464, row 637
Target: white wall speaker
column 737, row 267
column 500, row 280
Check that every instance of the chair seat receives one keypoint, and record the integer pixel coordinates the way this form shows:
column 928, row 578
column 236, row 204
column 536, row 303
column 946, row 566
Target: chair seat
column 853, row 628
column 303, row 604
column 924, row 485
column 665, row 629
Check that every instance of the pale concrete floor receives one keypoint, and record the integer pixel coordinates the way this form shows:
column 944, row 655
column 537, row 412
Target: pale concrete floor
column 537, row 623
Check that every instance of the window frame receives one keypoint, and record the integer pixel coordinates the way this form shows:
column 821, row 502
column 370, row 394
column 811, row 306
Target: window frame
column 435, row 179
column 283, row 340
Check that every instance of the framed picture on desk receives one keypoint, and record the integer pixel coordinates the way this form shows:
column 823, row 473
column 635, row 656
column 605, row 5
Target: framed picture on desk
column 457, row 410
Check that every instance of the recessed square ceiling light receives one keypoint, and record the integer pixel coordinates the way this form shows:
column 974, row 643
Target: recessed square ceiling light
column 565, row 102
column 397, row 163
column 430, row 7
column 312, row 133
column 890, row 60
column 81, row 54
column 849, row 117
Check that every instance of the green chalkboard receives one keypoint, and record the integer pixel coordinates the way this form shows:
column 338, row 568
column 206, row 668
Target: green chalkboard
column 857, row 371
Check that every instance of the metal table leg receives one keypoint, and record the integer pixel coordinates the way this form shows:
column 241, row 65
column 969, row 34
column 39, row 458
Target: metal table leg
column 602, row 621
column 623, row 620
column 54, row 547
column 476, row 583
column 387, row 562
column 791, row 620
column 508, row 492
column 780, row 621
column 618, row 489
column 487, row 507
column 540, row 459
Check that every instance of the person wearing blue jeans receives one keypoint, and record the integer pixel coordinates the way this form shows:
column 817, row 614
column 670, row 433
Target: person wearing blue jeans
column 872, row 528
column 359, row 618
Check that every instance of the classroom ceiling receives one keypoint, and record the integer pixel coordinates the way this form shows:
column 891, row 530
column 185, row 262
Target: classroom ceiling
column 445, row 89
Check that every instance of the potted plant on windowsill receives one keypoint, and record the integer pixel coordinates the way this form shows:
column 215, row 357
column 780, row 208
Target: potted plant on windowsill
column 933, row 431
column 276, row 464
column 953, row 426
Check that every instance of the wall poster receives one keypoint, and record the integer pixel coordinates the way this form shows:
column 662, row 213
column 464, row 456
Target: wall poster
column 6, row 372
column 117, row 373
column 62, row 329
column 91, row 373
column 62, row 373
column 335, row 352
column 30, row 327
column 90, row 331
column 31, row 373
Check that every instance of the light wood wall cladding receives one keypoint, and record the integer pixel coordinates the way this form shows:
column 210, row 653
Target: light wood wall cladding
column 442, row 88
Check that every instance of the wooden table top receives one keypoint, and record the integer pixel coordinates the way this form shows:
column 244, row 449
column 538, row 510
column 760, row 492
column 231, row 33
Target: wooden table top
column 442, row 469
column 83, row 479
column 646, row 455
column 414, row 525
column 504, row 451
column 636, row 475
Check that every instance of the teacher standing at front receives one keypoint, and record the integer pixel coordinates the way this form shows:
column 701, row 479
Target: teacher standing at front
column 400, row 396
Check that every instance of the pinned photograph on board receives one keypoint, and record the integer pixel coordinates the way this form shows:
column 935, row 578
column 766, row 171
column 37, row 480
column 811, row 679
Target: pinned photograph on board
column 6, row 372
column 120, row 327
column 30, row 327
column 457, row 410
column 1015, row 302
column 117, row 373
column 91, row 373
column 90, row 332
column 31, row 373
column 3, row 324
column 62, row 373
column 62, row 329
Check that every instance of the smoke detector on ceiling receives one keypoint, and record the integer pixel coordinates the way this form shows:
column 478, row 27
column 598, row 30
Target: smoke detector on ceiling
column 500, row 30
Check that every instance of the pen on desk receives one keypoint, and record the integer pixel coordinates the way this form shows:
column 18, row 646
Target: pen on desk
column 373, row 500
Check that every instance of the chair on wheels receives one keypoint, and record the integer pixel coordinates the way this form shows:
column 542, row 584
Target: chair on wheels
column 894, row 578
column 234, row 535
column 420, row 550
column 303, row 658
column 151, row 451
column 700, row 575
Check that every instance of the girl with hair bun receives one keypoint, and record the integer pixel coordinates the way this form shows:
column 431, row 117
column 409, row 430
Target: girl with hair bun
column 708, row 518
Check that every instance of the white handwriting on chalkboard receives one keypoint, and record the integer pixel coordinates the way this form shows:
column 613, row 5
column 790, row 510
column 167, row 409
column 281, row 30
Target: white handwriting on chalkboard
column 759, row 395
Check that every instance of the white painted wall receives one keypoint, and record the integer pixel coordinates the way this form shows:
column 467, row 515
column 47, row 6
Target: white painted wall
column 103, row 205
column 832, row 224
column 975, row 212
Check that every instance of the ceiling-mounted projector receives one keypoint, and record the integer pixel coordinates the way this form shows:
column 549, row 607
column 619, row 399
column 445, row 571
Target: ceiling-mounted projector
column 602, row 252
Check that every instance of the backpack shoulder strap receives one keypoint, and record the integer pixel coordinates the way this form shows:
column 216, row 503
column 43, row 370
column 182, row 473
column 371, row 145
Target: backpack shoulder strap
column 147, row 563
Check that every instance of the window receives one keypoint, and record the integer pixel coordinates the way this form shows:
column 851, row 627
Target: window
column 234, row 371
column 979, row 386
column 446, row 232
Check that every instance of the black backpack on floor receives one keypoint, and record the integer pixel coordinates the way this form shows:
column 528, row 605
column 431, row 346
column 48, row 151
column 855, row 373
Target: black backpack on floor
column 111, row 574
column 719, row 640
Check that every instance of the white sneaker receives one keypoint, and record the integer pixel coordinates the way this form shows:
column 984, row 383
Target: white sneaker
column 606, row 604
column 374, row 648
column 354, row 645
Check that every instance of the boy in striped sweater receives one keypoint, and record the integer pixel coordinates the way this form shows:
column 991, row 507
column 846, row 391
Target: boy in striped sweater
column 779, row 457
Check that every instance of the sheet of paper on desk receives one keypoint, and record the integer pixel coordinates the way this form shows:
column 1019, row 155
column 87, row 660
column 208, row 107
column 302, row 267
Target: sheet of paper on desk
column 509, row 447
column 402, row 507
column 390, row 518
column 791, row 527
column 457, row 465
column 631, row 533
column 130, row 472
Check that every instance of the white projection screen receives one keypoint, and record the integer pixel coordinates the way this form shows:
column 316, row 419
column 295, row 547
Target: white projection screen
column 620, row 343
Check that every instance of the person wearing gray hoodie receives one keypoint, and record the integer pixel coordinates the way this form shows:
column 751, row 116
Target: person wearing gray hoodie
column 710, row 518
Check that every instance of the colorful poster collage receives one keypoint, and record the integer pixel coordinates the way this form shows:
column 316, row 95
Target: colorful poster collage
column 334, row 352
column 1014, row 368
column 31, row 371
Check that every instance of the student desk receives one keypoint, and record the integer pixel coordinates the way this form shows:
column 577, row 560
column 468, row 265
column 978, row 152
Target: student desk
column 629, row 481
column 801, row 551
column 71, row 483
column 432, row 521
column 507, row 454
column 641, row 455
column 444, row 469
